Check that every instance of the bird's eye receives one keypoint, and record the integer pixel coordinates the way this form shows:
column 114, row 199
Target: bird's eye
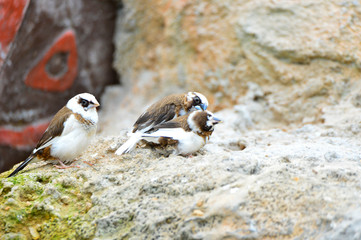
column 209, row 116
column 208, row 128
column 197, row 100
column 84, row 103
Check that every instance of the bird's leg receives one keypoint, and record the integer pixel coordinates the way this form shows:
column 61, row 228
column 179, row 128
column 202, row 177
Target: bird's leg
column 63, row 166
column 86, row 162
column 90, row 164
column 189, row 155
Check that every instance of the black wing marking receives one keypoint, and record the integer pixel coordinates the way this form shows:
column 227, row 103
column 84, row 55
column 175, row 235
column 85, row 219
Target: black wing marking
column 150, row 118
column 170, row 124
column 179, row 122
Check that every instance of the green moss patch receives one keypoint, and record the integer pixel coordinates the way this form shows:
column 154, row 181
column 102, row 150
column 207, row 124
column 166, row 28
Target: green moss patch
column 50, row 204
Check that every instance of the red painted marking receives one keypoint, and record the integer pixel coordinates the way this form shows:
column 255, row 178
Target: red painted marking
column 39, row 77
column 11, row 15
column 27, row 137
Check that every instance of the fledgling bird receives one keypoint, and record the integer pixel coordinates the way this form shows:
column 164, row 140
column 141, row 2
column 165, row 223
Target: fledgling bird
column 68, row 134
column 164, row 110
column 187, row 133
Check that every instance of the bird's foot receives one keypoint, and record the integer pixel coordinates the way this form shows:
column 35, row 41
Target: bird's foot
column 86, row 162
column 63, row 166
column 90, row 164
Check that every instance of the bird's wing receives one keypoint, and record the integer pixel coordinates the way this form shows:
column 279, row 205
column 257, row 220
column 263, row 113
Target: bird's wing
column 155, row 116
column 179, row 122
column 54, row 129
column 174, row 129
column 172, row 133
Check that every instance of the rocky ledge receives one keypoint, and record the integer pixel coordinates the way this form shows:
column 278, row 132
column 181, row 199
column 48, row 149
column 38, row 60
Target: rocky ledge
column 248, row 182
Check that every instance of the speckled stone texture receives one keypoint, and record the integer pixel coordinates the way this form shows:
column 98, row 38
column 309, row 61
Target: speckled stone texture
column 304, row 54
column 248, row 182
column 284, row 164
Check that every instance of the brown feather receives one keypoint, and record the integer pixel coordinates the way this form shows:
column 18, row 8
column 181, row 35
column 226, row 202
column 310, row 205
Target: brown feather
column 201, row 120
column 167, row 141
column 82, row 120
column 162, row 111
column 44, row 154
column 179, row 122
column 56, row 126
column 187, row 105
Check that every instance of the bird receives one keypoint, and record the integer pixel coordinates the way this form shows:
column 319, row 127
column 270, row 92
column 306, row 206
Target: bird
column 164, row 110
column 188, row 133
column 68, row 134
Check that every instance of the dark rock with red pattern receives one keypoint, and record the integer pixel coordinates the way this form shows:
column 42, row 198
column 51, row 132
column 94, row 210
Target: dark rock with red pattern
column 52, row 50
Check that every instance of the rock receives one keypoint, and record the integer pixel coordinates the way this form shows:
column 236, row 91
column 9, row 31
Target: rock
column 284, row 164
column 66, row 200
column 52, row 191
column 13, row 236
column 10, row 201
column 356, row 100
column 284, row 180
column 34, row 233
column 303, row 55
column 198, row 213
column 67, row 181
column 348, row 228
column 47, row 64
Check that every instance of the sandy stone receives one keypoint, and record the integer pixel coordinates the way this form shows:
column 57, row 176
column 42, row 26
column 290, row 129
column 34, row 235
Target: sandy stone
column 303, row 55
column 198, row 213
column 65, row 199
column 285, row 163
column 34, row 233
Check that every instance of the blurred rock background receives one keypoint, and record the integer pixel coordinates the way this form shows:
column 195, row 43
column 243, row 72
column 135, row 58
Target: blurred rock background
column 49, row 52
column 304, row 55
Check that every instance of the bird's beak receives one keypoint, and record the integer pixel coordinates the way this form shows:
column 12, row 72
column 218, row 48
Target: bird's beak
column 216, row 120
column 202, row 106
column 94, row 105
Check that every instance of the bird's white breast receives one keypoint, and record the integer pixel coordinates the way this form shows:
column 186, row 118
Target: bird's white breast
column 73, row 140
column 190, row 142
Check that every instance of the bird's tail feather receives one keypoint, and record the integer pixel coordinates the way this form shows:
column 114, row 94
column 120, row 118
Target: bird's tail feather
column 173, row 133
column 130, row 144
column 151, row 135
column 22, row 166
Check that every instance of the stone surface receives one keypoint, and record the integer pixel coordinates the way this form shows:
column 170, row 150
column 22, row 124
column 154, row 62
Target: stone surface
column 300, row 181
column 303, row 54
column 285, row 164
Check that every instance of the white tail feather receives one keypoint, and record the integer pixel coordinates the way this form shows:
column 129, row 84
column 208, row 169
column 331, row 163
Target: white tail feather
column 174, row 133
column 130, row 144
